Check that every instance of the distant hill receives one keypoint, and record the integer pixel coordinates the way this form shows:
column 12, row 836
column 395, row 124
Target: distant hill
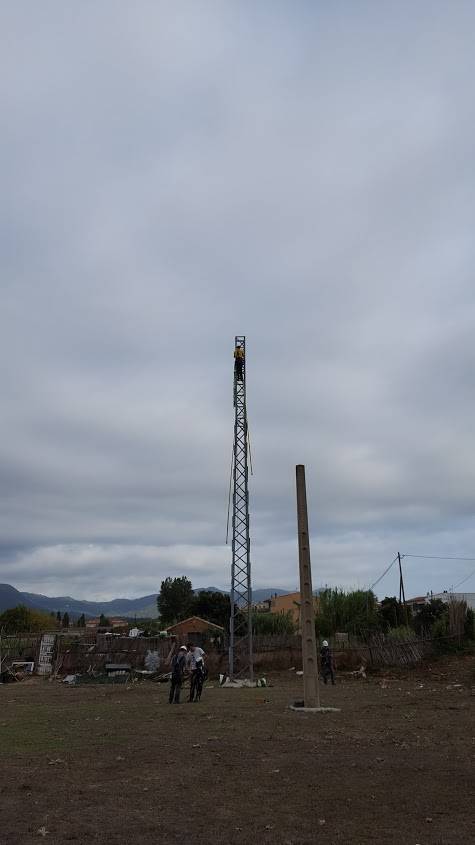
column 266, row 592
column 257, row 595
column 143, row 607
column 10, row 597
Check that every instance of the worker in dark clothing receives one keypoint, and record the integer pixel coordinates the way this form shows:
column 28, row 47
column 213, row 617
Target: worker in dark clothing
column 178, row 669
column 238, row 361
column 198, row 672
column 326, row 663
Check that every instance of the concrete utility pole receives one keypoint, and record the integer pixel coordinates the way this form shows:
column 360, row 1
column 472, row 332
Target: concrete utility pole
column 309, row 646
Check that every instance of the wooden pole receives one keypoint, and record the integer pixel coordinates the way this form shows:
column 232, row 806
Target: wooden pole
column 402, row 594
column 309, row 646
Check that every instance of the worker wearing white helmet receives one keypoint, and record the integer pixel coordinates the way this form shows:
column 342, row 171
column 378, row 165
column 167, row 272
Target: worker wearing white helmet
column 326, row 662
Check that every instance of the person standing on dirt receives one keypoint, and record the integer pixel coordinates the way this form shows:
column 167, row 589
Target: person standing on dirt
column 178, row 670
column 326, row 663
column 197, row 668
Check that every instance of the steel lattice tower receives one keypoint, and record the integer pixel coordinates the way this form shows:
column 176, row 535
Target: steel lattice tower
column 240, row 622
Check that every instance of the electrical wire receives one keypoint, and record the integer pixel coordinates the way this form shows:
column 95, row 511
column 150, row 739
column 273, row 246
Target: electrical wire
column 229, row 494
column 464, row 579
column 249, row 447
column 384, row 573
column 439, row 557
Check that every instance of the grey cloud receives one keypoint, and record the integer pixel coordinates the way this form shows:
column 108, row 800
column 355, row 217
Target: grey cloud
column 173, row 177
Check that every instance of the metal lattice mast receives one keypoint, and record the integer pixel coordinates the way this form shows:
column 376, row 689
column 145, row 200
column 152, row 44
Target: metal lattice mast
column 240, row 623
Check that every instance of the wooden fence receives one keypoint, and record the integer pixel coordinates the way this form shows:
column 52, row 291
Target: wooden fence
column 89, row 651
column 283, row 651
column 83, row 655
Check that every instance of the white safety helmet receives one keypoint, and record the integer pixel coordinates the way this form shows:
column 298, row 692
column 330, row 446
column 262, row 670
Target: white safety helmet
column 183, row 648
column 325, row 643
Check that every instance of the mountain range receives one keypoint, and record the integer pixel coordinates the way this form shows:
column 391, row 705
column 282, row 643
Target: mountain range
column 143, row 607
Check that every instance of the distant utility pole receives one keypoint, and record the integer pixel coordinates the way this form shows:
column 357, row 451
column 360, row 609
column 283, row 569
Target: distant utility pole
column 309, row 646
column 402, row 595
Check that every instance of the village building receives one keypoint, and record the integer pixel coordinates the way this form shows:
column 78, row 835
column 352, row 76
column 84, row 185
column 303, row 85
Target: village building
column 196, row 630
column 114, row 623
column 289, row 603
column 262, row 606
column 419, row 601
column 414, row 604
column 468, row 598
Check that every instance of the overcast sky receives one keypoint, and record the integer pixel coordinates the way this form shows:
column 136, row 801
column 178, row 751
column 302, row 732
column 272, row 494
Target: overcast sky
column 174, row 174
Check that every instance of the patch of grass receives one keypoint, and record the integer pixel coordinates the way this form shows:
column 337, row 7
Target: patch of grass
column 48, row 728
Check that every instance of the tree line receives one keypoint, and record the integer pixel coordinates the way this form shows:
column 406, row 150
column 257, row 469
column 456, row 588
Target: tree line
column 355, row 612
column 27, row 620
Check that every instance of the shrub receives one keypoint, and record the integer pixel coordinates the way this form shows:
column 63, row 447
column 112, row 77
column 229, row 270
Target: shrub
column 22, row 619
column 427, row 615
column 354, row 612
column 469, row 626
column 273, row 623
column 401, row 634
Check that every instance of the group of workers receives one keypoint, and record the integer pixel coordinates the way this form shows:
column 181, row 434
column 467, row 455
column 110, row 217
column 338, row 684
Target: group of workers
column 187, row 662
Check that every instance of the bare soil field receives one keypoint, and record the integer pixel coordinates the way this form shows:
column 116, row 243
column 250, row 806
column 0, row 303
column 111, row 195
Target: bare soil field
column 111, row 764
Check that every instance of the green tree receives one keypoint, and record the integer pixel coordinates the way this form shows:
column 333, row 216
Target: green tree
column 354, row 612
column 427, row 615
column 469, row 626
column 22, row 619
column 150, row 627
column 66, row 620
column 392, row 613
column 104, row 622
column 82, row 621
column 388, row 613
column 273, row 623
column 174, row 600
column 58, row 618
column 212, row 606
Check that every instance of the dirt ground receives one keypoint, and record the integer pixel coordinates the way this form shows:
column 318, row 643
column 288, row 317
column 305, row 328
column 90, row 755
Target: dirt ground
column 116, row 765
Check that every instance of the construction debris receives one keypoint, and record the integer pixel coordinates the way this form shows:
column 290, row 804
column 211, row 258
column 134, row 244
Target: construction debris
column 152, row 660
column 240, row 684
column 358, row 673
column 114, row 669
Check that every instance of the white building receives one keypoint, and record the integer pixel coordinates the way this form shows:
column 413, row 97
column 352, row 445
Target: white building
column 446, row 596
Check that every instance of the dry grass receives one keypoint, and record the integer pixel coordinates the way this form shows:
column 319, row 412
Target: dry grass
column 111, row 765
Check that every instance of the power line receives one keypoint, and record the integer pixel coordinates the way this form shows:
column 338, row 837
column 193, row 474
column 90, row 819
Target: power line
column 385, row 572
column 463, row 580
column 439, row 557
column 229, row 494
column 249, row 446
column 426, row 557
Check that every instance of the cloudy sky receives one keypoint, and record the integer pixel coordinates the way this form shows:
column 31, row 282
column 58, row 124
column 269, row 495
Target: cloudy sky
column 174, row 174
